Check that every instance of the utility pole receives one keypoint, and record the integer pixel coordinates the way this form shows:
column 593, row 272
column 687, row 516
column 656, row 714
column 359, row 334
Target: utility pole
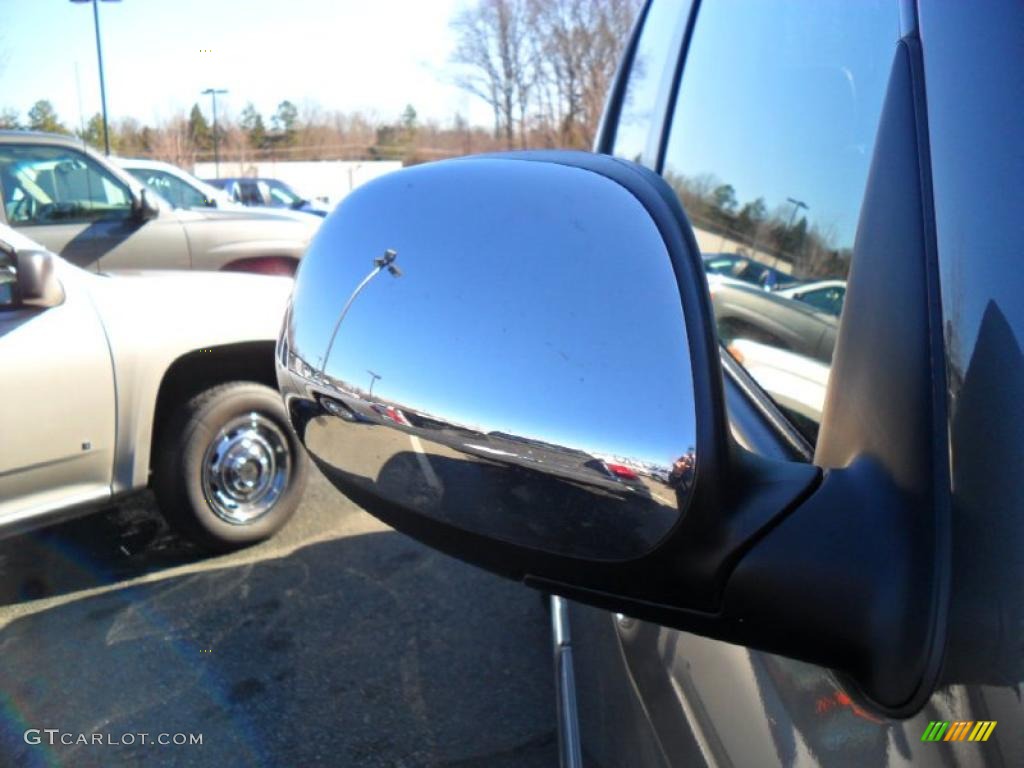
column 213, row 93
column 797, row 205
column 99, row 59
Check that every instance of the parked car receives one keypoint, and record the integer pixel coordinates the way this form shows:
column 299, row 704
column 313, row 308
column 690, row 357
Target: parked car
column 183, row 190
column 269, row 193
column 748, row 270
column 96, row 216
column 852, row 598
column 745, row 312
column 179, row 188
column 112, row 384
column 824, row 295
column 794, row 382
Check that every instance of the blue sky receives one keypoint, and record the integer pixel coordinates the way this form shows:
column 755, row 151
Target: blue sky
column 341, row 54
column 743, row 120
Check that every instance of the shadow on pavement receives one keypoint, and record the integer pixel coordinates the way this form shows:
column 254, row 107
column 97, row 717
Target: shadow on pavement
column 369, row 650
column 100, row 549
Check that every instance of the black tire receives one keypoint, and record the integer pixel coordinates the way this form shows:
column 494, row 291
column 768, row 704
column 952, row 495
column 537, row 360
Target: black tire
column 178, row 465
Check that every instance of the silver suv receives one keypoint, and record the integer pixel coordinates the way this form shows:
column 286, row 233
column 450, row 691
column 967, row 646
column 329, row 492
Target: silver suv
column 99, row 217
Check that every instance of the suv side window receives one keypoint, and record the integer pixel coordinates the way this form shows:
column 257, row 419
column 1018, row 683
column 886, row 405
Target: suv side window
column 170, row 188
column 55, row 185
column 769, row 149
column 826, row 299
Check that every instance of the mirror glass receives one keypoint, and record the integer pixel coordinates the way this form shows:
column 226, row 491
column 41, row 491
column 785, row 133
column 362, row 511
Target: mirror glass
column 499, row 345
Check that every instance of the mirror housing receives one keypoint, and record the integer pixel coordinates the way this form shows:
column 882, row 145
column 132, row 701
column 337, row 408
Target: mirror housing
column 535, row 387
column 38, row 285
column 145, row 207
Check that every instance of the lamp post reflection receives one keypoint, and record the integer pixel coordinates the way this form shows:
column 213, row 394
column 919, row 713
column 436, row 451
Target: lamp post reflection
column 797, row 205
column 373, row 379
column 387, row 261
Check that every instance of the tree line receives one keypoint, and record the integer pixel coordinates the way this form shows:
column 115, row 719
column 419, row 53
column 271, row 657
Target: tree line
column 542, row 66
column 291, row 133
column 782, row 231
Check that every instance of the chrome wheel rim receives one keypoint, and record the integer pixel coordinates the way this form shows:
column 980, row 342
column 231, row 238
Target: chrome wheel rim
column 246, row 468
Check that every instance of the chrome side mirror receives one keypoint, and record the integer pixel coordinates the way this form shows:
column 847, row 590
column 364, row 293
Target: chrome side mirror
column 507, row 358
column 513, row 359
column 38, row 285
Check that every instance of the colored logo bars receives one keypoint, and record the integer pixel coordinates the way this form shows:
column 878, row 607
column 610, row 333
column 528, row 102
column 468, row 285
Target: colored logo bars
column 958, row 730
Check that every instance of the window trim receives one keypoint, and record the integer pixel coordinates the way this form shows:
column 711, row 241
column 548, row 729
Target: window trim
column 605, row 139
column 668, row 87
column 673, row 91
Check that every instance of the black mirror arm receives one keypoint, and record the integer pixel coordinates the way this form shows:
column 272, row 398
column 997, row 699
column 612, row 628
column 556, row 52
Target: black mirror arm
column 841, row 576
column 854, row 568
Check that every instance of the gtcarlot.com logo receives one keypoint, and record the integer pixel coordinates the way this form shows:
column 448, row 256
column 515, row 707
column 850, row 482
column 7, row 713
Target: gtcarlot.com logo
column 959, row 730
column 55, row 736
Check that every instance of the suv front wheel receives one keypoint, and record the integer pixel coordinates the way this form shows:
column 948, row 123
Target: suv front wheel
column 230, row 471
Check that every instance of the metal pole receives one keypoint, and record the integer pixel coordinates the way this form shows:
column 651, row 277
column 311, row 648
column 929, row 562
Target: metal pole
column 797, row 205
column 212, row 93
column 387, row 261
column 216, row 152
column 103, row 86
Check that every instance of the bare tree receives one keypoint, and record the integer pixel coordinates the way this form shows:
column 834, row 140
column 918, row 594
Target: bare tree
column 493, row 53
column 579, row 42
column 173, row 142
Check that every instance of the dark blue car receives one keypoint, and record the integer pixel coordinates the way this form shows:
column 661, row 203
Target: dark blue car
column 266, row 193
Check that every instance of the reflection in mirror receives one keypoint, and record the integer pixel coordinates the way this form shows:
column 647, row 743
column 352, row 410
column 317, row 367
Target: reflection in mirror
column 520, row 371
column 769, row 151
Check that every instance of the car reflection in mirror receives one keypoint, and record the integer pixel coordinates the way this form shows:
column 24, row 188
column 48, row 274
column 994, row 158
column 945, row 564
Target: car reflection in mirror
column 496, row 477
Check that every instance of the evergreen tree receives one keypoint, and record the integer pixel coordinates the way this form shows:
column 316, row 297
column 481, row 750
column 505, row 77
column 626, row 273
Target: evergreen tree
column 198, row 129
column 93, row 133
column 252, row 123
column 43, row 117
column 286, row 121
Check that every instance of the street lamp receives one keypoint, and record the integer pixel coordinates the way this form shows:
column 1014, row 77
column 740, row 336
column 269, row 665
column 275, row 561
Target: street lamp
column 387, row 261
column 99, row 58
column 797, row 205
column 213, row 93
column 373, row 379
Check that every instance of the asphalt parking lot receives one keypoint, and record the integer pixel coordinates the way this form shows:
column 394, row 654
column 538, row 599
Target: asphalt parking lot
column 339, row 642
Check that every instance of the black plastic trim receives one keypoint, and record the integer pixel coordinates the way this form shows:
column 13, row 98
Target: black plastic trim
column 864, row 565
column 755, row 398
column 677, row 79
column 604, row 142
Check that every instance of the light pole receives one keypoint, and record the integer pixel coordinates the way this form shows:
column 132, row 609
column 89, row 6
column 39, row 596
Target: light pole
column 797, row 205
column 99, row 58
column 373, row 379
column 387, row 261
column 213, row 93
